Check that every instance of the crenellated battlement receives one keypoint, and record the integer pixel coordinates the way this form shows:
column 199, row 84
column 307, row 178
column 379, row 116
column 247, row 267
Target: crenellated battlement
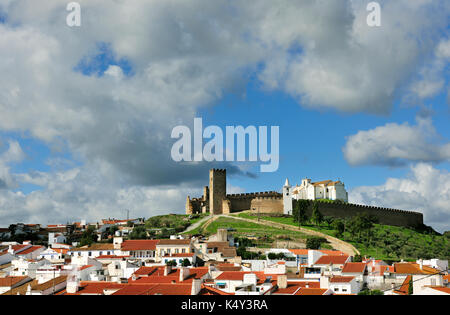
column 253, row 195
column 215, row 200
column 369, row 207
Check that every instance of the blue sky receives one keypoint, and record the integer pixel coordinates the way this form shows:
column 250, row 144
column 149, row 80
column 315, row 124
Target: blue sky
column 86, row 113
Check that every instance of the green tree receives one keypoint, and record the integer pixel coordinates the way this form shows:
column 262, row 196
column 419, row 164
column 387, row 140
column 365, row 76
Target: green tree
column 316, row 217
column 315, row 242
column 88, row 237
column 339, row 227
column 410, row 287
column 186, row 263
column 138, row 233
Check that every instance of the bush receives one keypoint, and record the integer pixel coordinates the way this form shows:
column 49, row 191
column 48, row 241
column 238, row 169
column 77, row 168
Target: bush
column 315, row 242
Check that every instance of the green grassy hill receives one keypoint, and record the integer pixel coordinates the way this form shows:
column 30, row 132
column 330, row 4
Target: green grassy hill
column 383, row 242
column 177, row 222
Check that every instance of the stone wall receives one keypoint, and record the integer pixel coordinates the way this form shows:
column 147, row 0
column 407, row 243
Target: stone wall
column 270, row 205
column 385, row 216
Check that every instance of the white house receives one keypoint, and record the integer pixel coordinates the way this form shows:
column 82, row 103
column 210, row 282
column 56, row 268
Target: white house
column 341, row 285
column 25, row 267
column 327, row 189
column 54, row 238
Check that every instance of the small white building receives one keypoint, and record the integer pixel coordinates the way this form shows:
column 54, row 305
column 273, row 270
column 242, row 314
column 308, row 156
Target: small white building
column 327, row 189
column 54, row 238
column 341, row 285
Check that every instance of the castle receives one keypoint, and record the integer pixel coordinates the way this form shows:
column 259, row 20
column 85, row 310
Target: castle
column 215, row 200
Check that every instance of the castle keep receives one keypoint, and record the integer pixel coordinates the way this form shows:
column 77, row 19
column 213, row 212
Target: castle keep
column 215, row 200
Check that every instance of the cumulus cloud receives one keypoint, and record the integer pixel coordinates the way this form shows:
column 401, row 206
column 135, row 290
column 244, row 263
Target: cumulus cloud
column 110, row 92
column 426, row 189
column 431, row 77
column 13, row 154
column 80, row 193
column 397, row 144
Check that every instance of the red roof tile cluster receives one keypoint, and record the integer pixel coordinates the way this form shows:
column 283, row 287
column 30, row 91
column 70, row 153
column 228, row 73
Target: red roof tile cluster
column 29, row 250
column 339, row 279
column 311, row 291
column 354, row 267
column 293, row 288
column 156, row 289
column 414, row 269
column 132, row 245
column 11, row 281
column 403, row 290
column 335, row 260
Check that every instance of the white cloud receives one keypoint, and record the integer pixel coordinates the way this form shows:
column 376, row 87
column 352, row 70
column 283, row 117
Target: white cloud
column 426, row 189
column 185, row 55
column 13, row 154
column 396, row 145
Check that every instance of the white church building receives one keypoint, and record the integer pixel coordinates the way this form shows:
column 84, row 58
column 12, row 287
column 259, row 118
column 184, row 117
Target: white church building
column 327, row 189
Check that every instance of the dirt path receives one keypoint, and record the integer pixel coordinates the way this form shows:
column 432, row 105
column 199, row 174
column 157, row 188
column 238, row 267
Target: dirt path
column 336, row 243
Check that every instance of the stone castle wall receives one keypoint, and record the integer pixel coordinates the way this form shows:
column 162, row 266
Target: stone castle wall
column 272, row 205
column 242, row 202
column 385, row 216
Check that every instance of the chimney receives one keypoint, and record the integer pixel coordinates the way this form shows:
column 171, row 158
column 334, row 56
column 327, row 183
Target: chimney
column 392, row 286
column 72, row 285
column 184, row 273
column 307, row 285
column 196, row 286
column 282, row 281
column 421, row 264
column 167, row 270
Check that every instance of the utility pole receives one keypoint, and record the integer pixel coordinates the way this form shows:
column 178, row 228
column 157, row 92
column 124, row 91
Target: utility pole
column 128, row 214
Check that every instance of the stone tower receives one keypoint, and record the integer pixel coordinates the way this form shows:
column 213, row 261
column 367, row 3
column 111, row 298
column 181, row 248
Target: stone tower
column 287, row 198
column 217, row 190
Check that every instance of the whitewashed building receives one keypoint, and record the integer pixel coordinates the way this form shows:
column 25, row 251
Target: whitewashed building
column 327, row 189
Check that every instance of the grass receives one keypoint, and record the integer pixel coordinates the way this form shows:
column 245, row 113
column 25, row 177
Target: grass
column 172, row 221
column 388, row 242
column 266, row 235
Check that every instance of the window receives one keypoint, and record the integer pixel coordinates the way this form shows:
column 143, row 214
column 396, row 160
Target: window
column 183, row 250
column 90, row 254
column 344, row 290
column 336, row 289
column 176, row 251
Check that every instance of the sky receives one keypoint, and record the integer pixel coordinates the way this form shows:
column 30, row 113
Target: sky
column 86, row 113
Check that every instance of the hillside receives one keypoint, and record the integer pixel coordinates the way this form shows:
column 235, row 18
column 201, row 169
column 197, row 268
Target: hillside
column 382, row 241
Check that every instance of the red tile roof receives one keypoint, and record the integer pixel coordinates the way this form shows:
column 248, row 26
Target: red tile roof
column 300, row 252
column 355, row 267
column 338, row 279
column 156, row 289
column 156, row 275
column 413, row 269
column 403, row 290
column 292, row 288
column 139, row 245
column 335, row 260
column 311, row 291
column 11, row 281
column 30, row 250
column 208, row 290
